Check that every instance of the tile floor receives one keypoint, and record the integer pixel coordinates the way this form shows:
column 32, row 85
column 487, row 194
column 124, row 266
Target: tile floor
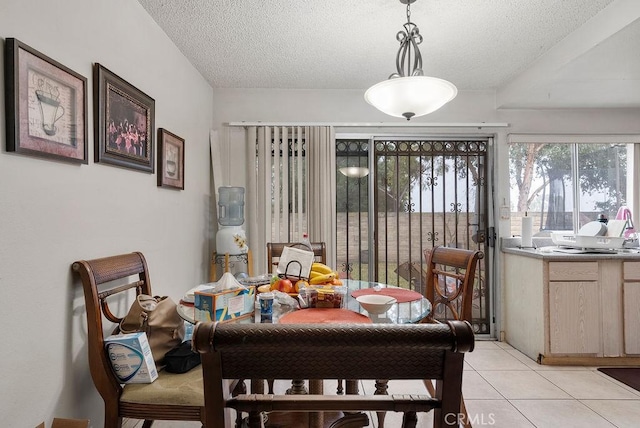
column 503, row 388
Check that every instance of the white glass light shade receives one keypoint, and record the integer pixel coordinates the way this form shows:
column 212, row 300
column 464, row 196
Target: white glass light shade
column 410, row 96
column 354, row 171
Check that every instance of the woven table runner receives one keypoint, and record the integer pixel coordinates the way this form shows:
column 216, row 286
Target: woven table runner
column 400, row 294
column 323, row 315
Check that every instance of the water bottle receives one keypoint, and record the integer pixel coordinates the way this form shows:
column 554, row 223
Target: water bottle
column 231, row 206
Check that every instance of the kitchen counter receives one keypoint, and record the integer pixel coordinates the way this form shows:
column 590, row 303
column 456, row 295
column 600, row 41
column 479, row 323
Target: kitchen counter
column 550, row 253
column 562, row 308
column 547, row 251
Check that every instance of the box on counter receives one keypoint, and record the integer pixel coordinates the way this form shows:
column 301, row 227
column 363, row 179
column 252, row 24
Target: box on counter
column 225, row 305
column 131, row 358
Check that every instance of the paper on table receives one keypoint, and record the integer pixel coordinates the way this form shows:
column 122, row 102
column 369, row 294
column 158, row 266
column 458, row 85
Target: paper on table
column 295, row 262
column 527, row 232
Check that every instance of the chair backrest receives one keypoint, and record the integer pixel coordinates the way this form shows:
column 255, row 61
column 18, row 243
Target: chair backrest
column 114, row 271
column 274, row 251
column 450, row 277
column 333, row 351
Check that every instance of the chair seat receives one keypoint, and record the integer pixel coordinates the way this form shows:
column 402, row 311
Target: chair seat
column 184, row 389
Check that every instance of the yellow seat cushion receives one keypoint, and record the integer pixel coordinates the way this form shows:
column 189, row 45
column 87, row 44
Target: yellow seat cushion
column 184, row 389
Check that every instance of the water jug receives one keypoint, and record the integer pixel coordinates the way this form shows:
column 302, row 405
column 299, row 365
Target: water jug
column 231, row 206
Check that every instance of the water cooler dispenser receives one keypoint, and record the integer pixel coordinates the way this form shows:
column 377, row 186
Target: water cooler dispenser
column 231, row 240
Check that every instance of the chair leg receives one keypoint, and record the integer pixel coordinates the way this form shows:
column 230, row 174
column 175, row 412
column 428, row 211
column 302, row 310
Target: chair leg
column 463, row 408
column 111, row 417
column 430, row 388
column 463, row 411
column 409, row 420
column 352, row 420
column 382, row 385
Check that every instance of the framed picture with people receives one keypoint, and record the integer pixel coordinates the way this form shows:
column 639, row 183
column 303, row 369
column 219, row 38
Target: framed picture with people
column 124, row 122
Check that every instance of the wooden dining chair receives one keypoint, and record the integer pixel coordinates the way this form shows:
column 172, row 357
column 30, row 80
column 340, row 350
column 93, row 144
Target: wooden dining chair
column 171, row 396
column 274, row 251
column 326, row 351
column 450, row 278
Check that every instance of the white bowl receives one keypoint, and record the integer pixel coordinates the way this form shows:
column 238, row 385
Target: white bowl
column 376, row 303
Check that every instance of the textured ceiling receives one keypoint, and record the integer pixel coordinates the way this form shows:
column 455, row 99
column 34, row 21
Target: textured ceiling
column 337, row 44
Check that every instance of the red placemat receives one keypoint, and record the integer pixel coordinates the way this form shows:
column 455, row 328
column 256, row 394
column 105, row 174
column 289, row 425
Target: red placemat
column 400, row 294
column 324, row 315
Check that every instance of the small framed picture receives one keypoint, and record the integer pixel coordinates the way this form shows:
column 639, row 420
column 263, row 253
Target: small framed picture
column 170, row 160
column 46, row 106
column 124, row 122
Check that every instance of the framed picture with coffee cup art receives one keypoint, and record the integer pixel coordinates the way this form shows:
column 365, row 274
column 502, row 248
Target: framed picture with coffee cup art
column 124, row 122
column 46, row 106
column 170, row 160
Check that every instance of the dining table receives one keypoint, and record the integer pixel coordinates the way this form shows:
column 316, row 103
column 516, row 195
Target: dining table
column 410, row 307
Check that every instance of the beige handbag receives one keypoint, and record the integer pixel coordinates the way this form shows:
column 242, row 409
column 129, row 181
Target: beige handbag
column 159, row 318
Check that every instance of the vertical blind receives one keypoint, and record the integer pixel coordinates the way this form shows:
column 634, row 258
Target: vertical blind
column 293, row 189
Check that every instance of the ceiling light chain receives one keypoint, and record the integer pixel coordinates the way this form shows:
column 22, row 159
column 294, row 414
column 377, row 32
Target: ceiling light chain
column 409, row 39
column 408, row 93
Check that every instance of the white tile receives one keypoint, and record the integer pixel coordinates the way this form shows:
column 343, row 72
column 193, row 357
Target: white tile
column 560, row 413
column 493, row 360
column 585, row 385
column 505, row 346
column 475, row 386
column 525, row 359
column 621, row 413
column 495, row 414
column 527, row 384
column 487, row 345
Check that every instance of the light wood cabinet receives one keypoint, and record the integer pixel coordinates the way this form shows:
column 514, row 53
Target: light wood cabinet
column 574, row 300
column 574, row 326
column 631, row 302
column 560, row 311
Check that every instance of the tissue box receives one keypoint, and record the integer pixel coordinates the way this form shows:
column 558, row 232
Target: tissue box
column 224, row 305
column 131, row 358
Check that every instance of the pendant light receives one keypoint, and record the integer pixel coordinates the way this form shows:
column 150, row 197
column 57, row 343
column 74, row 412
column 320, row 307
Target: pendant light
column 408, row 93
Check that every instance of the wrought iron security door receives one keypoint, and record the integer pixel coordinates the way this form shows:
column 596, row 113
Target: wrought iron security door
column 427, row 193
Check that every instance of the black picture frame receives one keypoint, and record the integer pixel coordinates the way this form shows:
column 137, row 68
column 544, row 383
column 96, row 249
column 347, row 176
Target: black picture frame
column 124, row 124
column 170, row 160
column 45, row 106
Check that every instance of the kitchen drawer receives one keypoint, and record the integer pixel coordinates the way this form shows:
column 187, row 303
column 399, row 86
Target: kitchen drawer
column 573, row 271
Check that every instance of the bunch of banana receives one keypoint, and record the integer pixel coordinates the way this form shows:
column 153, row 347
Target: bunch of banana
column 323, row 274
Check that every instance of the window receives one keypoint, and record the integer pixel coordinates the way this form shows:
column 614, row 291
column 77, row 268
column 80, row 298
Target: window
column 565, row 185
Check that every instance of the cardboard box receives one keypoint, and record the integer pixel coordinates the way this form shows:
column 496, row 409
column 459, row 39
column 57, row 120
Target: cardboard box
column 131, row 358
column 226, row 305
column 67, row 423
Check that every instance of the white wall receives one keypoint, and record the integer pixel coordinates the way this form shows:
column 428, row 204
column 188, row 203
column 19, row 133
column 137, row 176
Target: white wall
column 53, row 213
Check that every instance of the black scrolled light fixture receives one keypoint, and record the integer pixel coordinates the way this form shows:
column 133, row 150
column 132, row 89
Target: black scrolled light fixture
column 408, row 93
